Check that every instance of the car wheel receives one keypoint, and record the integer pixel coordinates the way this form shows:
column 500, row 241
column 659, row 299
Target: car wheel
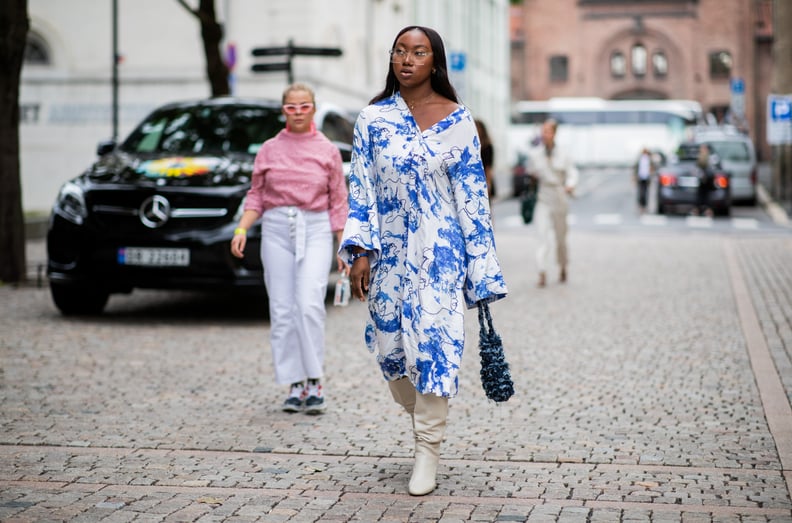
column 75, row 300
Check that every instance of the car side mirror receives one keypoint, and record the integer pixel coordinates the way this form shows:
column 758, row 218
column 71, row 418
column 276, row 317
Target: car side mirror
column 105, row 147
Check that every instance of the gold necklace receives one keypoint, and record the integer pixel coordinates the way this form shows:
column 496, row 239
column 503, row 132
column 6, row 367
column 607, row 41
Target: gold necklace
column 412, row 104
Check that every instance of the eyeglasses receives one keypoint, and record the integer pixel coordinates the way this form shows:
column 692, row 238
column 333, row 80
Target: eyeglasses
column 303, row 107
column 398, row 56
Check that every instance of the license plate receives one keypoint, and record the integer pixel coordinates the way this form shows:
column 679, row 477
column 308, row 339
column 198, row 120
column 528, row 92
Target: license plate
column 688, row 181
column 154, row 257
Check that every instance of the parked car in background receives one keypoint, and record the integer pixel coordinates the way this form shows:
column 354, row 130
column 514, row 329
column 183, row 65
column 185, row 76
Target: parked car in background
column 737, row 156
column 678, row 183
column 159, row 209
column 339, row 126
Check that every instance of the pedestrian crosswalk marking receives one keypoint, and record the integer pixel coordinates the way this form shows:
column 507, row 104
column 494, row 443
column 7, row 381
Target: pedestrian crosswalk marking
column 745, row 223
column 607, row 219
column 654, row 220
column 702, row 222
column 648, row 220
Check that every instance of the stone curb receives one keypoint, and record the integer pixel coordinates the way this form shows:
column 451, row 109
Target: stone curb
column 776, row 212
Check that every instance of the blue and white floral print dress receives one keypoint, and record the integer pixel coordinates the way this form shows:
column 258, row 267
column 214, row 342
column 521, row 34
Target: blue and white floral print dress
column 418, row 202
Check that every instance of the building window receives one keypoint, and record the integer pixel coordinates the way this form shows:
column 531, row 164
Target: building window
column 720, row 64
column 638, row 60
column 559, row 68
column 659, row 63
column 36, row 50
column 618, row 65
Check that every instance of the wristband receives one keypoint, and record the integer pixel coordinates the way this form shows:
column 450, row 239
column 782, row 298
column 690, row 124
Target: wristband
column 356, row 255
column 240, row 230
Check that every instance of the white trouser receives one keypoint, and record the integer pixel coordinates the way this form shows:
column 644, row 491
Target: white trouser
column 551, row 227
column 296, row 251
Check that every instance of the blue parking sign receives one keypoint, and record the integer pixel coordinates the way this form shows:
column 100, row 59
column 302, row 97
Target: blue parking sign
column 779, row 119
column 780, row 109
column 457, row 61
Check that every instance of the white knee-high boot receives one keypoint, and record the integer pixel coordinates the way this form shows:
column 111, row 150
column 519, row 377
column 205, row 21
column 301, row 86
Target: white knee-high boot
column 429, row 419
column 403, row 392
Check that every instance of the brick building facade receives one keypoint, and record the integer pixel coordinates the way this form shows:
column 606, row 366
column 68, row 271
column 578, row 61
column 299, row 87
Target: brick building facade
column 702, row 50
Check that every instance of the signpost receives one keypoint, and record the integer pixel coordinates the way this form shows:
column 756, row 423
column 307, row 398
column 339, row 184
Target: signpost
column 287, row 53
column 115, row 70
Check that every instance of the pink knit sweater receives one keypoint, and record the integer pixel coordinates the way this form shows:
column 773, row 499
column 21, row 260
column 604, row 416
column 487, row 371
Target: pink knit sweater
column 303, row 170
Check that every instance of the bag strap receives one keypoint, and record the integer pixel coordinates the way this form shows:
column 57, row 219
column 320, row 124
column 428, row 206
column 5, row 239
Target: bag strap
column 485, row 318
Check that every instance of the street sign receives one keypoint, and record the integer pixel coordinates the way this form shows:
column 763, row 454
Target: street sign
column 287, row 52
column 230, row 61
column 457, row 61
column 291, row 50
column 737, row 105
column 270, row 51
column 271, row 66
column 317, row 51
column 779, row 119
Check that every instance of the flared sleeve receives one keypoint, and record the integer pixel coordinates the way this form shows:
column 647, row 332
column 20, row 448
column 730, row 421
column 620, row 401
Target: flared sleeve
column 483, row 277
column 362, row 225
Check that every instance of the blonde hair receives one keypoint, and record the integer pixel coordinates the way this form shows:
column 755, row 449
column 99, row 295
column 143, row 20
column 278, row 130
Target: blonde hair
column 298, row 86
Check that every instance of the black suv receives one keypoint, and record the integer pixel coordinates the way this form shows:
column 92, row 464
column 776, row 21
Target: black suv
column 158, row 211
column 679, row 181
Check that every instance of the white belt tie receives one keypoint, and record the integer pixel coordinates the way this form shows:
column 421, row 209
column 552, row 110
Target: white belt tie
column 297, row 225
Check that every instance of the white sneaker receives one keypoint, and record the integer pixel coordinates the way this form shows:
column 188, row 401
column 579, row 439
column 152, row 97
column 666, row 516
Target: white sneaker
column 314, row 402
column 296, row 399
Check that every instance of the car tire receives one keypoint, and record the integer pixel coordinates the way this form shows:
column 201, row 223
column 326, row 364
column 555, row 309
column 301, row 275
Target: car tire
column 77, row 300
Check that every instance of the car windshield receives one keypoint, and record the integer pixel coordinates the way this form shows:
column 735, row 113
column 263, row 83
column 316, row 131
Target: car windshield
column 337, row 128
column 688, row 152
column 205, row 130
column 732, row 150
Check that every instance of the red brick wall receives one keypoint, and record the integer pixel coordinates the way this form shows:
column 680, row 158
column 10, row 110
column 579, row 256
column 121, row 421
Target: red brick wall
column 685, row 30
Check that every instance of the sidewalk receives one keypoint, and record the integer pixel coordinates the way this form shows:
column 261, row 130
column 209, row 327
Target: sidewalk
column 654, row 386
column 776, row 211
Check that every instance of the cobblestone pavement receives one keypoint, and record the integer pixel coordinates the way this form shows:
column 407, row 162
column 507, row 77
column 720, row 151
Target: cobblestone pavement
column 654, row 386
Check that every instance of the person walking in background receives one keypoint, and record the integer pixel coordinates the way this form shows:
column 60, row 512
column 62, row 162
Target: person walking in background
column 557, row 177
column 487, row 156
column 643, row 175
column 299, row 191
column 419, row 236
column 705, row 163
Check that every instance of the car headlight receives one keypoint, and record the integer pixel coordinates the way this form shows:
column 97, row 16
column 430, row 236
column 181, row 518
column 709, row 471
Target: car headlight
column 71, row 203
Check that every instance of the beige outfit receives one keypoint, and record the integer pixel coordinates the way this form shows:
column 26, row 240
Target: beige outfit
column 556, row 172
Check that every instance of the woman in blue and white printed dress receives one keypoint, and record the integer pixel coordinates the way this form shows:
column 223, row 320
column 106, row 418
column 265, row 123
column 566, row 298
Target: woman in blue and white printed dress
column 419, row 236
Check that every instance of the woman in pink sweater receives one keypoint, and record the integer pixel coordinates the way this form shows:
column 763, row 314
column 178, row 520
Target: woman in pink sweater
column 298, row 190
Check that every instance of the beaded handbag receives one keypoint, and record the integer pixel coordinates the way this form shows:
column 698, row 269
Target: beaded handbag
column 495, row 376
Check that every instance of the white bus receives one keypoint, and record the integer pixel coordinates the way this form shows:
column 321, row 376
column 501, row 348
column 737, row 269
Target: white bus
column 602, row 132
